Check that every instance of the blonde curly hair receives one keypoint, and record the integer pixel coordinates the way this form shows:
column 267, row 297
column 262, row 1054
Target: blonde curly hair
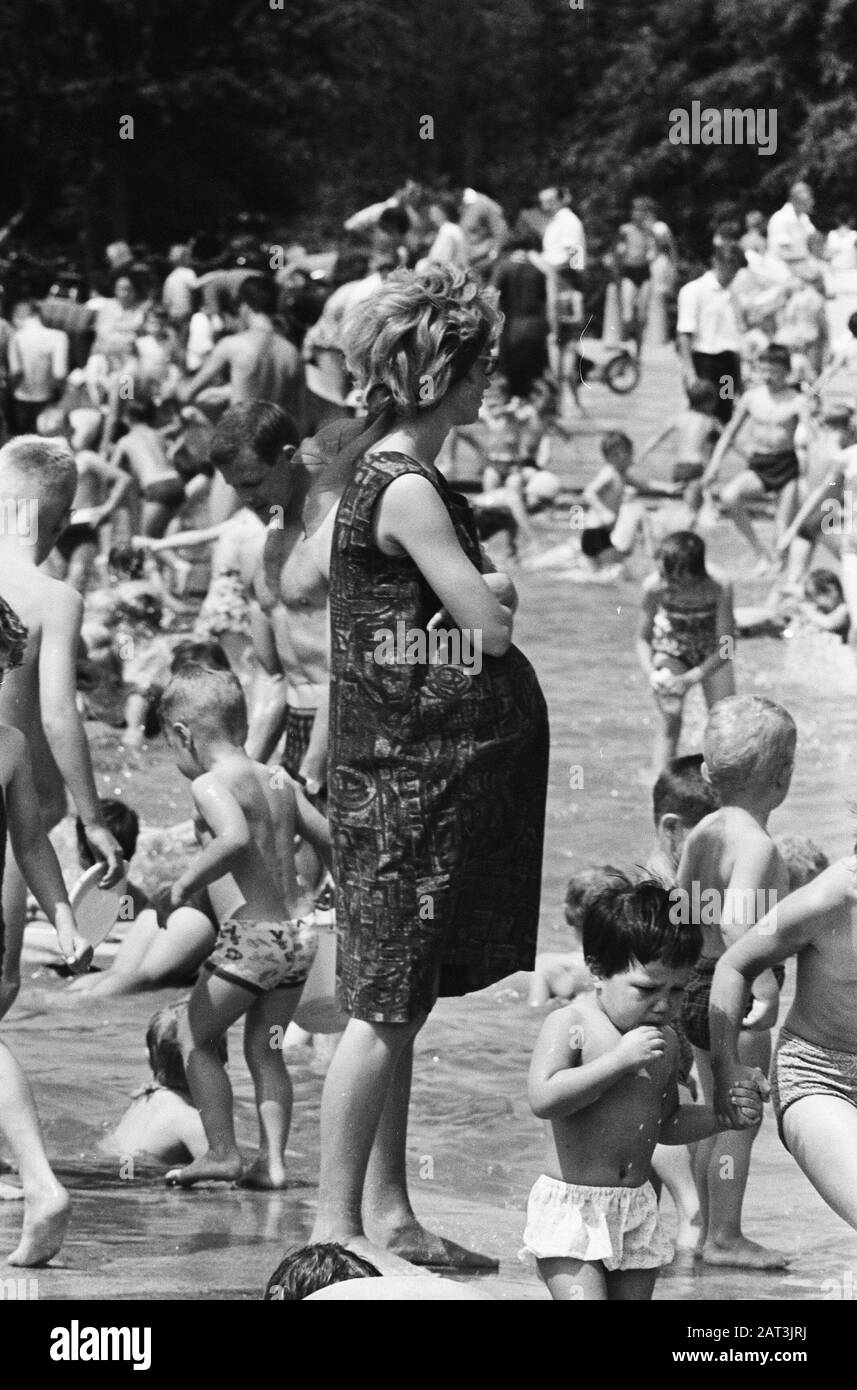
column 419, row 335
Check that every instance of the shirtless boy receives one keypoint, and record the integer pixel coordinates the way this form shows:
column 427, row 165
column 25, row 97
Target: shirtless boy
column 604, row 1075
column 814, row 1075
column 100, row 490
column 771, row 413
column 141, row 453
column 37, row 483
column 264, row 951
column 729, row 875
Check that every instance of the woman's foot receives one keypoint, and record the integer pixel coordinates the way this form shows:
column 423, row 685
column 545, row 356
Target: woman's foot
column 744, row 1253
column 46, row 1218
column 421, row 1247
column 209, row 1168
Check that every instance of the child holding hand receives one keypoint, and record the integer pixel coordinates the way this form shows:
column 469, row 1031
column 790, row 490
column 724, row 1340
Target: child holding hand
column 603, row 1075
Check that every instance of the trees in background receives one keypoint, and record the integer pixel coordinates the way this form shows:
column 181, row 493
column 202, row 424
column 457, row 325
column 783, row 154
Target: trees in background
column 303, row 113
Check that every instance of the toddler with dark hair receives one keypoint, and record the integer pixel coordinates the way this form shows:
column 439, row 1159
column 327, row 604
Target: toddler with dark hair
column 604, row 1075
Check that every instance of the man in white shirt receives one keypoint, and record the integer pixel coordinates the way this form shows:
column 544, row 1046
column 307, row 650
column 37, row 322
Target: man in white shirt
column 177, row 292
column 790, row 229
column 564, row 241
column 709, row 328
column 38, row 366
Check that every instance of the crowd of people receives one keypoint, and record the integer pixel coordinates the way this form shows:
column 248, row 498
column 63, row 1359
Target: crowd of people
column 314, row 450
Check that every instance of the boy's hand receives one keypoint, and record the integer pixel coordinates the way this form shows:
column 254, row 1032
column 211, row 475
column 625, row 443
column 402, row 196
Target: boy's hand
column 732, row 1083
column 101, row 840
column 80, row 959
column 641, row 1046
column 746, row 1098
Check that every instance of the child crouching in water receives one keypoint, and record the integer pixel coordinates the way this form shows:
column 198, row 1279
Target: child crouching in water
column 686, row 636
column 604, row 1075
column 251, row 815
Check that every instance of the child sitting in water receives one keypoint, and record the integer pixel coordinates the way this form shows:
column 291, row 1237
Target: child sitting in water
column 162, row 1122
column 686, row 635
column 603, row 1075
column 264, row 949
column 825, row 605
column 603, row 499
column 695, row 432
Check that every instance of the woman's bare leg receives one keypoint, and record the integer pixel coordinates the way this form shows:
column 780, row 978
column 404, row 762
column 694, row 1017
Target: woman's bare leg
column 47, row 1204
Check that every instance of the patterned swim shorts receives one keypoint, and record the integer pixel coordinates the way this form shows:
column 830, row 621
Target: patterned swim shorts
column 261, row 956
column 617, row 1226
column 802, row 1068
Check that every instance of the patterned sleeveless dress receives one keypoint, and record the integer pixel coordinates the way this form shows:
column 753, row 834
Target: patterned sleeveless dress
column 438, row 781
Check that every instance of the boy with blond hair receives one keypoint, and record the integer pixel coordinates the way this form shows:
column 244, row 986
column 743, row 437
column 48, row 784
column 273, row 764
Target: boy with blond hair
column 730, row 875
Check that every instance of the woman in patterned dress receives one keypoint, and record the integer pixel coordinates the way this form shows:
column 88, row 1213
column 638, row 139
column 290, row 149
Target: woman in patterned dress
column 438, row 753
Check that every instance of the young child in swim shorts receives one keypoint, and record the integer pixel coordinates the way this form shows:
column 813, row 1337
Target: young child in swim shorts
column 730, row 874
column 265, row 949
column 771, row 413
column 686, row 635
column 603, row 1075
column 603, row 499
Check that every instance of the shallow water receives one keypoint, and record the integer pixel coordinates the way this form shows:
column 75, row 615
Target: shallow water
column 474, row 1147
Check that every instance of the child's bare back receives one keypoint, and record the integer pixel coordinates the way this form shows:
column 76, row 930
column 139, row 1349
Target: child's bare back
column 264, row 866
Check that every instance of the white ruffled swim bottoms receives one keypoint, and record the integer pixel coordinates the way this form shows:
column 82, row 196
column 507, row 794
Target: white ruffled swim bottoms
column 619, row 1227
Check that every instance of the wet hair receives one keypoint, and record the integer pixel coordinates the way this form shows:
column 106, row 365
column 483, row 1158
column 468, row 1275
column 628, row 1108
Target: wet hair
column 823, row 584
column 777, row 354
column 165, row 1054
column 13, row 638
column 681, row 790
column 681, row 556
column 614, row 441
column 260, row 424
column 419, row 327
column 205, row 698
column 315, row 1267
column 191, row 653
column 702, row 395
column 40, row 469
column 631, row 922
column 802, row 858
column 123, row 824
column 583, row 886
column 747, row 742
column 259, row 294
